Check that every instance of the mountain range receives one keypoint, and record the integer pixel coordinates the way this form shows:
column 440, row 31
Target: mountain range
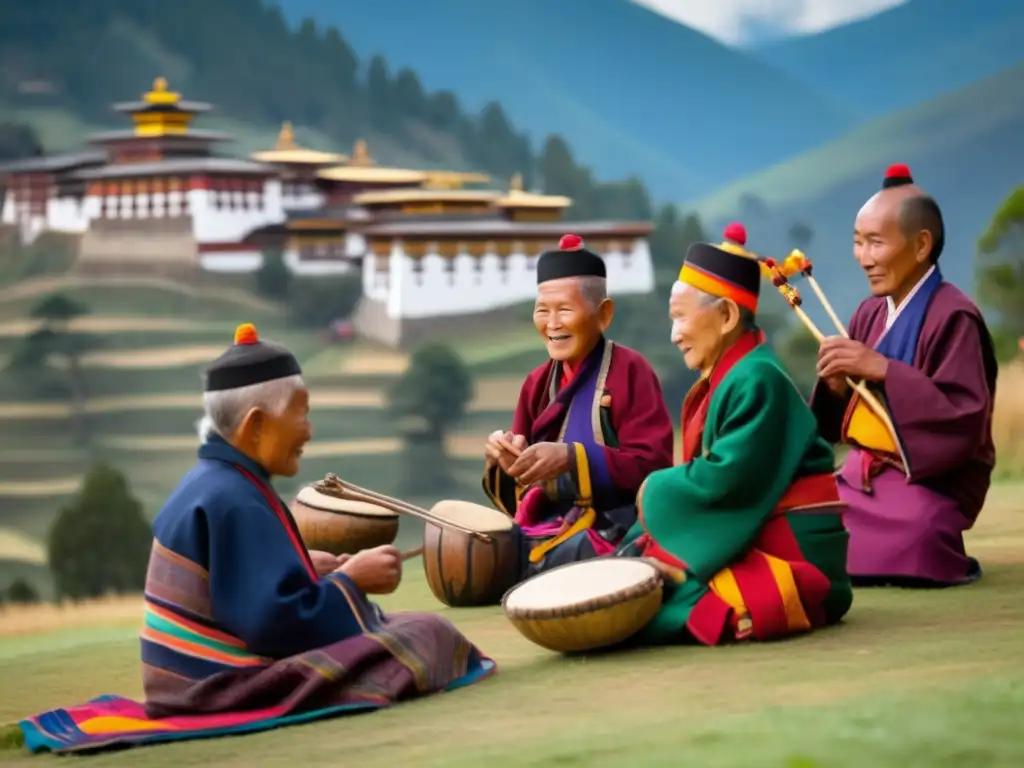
column 634, row 92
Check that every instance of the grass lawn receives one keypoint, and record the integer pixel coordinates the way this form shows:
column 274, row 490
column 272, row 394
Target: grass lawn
column 911, row 678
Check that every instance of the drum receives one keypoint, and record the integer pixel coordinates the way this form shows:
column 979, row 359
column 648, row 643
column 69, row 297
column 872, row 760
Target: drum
column 587, row 605
column 463, row 571
column 341, row 526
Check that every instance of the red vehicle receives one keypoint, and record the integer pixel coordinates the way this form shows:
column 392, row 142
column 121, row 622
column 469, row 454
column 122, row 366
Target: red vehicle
column 341, row 330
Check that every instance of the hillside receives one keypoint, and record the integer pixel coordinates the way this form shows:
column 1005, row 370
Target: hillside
column 62, row 64
column 964, row 148
column 632, row 91
column 906, row 55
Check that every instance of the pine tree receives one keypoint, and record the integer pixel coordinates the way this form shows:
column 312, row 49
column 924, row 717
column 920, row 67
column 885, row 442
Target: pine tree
column 100, row 542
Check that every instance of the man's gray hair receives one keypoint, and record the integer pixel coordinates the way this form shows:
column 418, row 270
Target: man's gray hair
column 594, row 289
column 225, row 409
column 748, row 320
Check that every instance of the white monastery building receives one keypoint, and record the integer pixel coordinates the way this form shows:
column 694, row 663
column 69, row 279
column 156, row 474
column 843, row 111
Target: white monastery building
column 157, row 198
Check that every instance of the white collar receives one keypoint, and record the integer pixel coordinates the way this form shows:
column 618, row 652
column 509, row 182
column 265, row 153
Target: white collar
column 892, row 311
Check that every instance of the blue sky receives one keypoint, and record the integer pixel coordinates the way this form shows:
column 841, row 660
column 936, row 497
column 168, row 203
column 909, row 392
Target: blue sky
column 740, row 22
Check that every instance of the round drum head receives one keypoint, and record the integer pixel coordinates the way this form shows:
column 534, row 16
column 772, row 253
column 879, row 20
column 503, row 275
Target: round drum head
column 476, row 516
column 575, row 584
column 311, row 497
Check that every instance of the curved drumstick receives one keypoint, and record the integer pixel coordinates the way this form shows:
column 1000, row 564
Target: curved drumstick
column 333, row 485
column 793, row 298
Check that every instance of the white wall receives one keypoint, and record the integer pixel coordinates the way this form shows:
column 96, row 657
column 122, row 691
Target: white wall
column 479, row 284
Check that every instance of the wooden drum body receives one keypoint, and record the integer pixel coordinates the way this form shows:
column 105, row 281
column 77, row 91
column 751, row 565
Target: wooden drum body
column 587, row 605
column 342, row 526
column 463, row 571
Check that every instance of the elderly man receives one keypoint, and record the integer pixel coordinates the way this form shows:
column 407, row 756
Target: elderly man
column 241, row 631
column 922, row 345
column 748, row 528
column 589, row 426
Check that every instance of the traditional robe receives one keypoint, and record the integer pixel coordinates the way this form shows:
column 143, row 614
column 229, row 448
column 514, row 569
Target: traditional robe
column 240, row 634
column 613, row 414
column 910, row 496
column 752, row 517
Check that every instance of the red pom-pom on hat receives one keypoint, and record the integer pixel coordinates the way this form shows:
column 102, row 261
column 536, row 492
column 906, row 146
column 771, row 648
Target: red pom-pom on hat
column 898, row 171
column 736, row 232
column 246, row 334
column 897, row 175
column 570, row 243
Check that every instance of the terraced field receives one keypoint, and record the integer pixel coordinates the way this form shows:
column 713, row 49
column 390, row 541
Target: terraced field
column 143, row 399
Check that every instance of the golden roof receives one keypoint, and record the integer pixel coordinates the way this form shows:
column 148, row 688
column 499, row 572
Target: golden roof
column 453, row 179
column 160, row 96
column 420, row 195
column 517, row 198
column 361, row 168
column 287, row 151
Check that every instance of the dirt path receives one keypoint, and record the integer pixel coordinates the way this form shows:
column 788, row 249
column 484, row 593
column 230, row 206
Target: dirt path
column 115, row 324
column 491, row 395
column 15, row 545
column 154, row 357
column 28, row 289
column 31, row 489
column 459, row 445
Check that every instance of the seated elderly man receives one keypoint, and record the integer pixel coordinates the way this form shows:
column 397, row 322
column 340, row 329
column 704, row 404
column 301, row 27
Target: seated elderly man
column 749, row 527
column 922, row 345
column 589, row 426
column 242, row 630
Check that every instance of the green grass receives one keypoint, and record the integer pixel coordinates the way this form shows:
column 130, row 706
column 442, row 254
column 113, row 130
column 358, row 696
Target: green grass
column 910, row 679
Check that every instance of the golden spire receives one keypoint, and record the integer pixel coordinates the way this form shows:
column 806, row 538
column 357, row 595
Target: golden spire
column 361, row 155
column 286, row 138
column 516, row 183
column 160, row 94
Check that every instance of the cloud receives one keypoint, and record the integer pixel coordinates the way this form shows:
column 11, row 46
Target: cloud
column 736, row 21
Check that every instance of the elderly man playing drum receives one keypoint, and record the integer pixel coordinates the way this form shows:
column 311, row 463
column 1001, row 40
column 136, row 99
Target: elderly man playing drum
column 749, row 526
column 589, row 426
column 244, row 629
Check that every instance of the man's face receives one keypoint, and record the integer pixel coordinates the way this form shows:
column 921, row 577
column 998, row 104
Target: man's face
column 569, row 326
column 698, row 329
column 281, row 439
column 888, row 257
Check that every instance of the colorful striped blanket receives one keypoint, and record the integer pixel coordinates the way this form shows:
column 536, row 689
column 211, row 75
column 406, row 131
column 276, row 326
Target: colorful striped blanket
column 413, row 654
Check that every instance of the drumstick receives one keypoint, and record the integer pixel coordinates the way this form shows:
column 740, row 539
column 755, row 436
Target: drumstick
column 792, row 297
column 807, row 269
column 409, row 554
column 335, row 486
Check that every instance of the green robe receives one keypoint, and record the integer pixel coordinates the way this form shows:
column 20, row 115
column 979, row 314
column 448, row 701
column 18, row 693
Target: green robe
column 759, row 436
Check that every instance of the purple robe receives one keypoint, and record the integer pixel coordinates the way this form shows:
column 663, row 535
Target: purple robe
column 906, row 524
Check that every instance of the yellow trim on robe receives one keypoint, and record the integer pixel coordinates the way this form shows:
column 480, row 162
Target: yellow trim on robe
column 724, row 585
column 585, row 501
column 869, row 431
column 782, row 572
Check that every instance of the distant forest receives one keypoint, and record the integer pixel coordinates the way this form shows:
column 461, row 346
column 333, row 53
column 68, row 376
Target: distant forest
column 242, row 56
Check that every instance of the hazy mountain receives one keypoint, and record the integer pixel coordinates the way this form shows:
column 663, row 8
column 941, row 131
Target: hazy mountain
column 913, row 52
column 964, row 148
column 632, row 91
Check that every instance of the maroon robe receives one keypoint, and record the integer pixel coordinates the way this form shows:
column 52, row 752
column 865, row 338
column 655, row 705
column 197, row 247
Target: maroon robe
column 626, row 433
column 906, row 527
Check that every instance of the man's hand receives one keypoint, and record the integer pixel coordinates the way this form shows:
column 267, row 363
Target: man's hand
column 503, row 448
column 841, row 357
column 324, row 562
column 540, row 462
column 376, row 571
column 837, row 385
